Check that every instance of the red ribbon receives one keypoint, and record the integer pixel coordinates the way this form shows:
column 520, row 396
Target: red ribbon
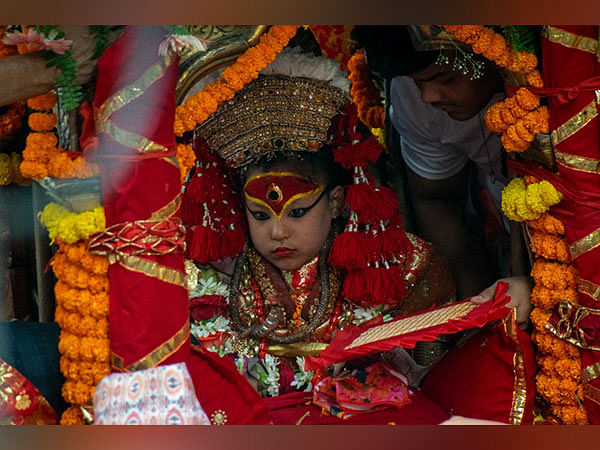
column 563, row 94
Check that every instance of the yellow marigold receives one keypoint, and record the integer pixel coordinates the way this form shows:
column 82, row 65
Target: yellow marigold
column 557, row 391
column 539, row 318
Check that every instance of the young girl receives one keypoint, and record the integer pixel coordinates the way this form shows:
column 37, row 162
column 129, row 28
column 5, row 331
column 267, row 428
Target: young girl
column 281, row 299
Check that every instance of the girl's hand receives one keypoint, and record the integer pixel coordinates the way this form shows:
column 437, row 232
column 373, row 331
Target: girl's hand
column 518, row 291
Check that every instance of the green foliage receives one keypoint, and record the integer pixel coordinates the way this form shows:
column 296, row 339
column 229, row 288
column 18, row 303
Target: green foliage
column 522, row 38
column 102, row 35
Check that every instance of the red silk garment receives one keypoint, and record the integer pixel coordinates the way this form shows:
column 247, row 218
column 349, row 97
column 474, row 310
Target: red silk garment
column 149, row 311
column 575, row 131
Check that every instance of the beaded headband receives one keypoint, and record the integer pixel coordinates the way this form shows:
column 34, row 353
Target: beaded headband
column 271, row 114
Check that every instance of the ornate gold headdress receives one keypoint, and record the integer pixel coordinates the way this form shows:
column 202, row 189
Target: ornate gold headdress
column 289, row 107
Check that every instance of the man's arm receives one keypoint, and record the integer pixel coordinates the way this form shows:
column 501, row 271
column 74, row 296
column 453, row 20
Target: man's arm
column 439, row 207
column 25, row 76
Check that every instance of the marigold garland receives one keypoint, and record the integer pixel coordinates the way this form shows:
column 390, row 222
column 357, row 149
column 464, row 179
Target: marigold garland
column 71, row 227
column 12, row 119
column 82, row 313
column 198, row 107
column 519, row 117
column 364, row 93
column 558, row 380
column 185, row 159
column 10, row 171
column 42, row 157
column 522, row 202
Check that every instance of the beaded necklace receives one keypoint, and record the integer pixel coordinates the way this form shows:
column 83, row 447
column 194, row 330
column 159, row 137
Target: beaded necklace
column 269, row 316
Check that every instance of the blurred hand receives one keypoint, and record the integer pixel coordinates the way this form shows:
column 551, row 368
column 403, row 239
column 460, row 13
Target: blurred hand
column 82, row 50
column 518, row 291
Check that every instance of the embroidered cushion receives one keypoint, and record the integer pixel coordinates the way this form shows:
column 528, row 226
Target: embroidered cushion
column 491, row 376
column 162, row 395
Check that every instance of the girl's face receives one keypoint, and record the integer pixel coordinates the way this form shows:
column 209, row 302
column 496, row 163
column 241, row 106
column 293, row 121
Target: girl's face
column 289, row 217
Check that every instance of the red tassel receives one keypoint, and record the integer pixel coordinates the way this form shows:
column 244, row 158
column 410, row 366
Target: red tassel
column 391, row 243
column 375, row 286
column 360, row 154
column 350, row 250
column 372, row 204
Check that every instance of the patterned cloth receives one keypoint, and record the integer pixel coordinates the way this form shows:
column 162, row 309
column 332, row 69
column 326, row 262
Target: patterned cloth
column 20, row 402
column 159, row 396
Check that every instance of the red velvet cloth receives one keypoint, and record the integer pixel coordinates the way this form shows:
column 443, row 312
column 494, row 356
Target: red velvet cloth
column 145, row 312
column 477, row 379
column 291, row 408
column 568, row 74
column 579, row 211
column 337, row 350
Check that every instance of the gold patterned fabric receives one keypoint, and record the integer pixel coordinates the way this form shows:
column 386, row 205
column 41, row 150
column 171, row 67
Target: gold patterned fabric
column 20, row 402
column 575, row 123
column 585, row 244
column 570, row 40
column 520, row 381
column 150, row 268
column 273, row 113
column 579, row 163
column 412, row 323
column 589, row 288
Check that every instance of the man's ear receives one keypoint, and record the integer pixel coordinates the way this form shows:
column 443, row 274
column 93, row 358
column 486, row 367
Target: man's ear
column 336, row 200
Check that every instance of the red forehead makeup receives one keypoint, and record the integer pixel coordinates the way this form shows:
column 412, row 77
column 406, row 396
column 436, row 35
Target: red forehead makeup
column 276, row 190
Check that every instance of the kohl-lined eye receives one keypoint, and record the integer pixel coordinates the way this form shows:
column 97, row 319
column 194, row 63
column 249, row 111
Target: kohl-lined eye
column 298, row 212
column 259, row 215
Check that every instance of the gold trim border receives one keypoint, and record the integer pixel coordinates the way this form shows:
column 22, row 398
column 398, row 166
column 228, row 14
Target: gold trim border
column 152, row 269
column 156, row 356
column 575, row 123
column 592, row 393
column 589, row 288
column 168, row 210
column 128, row 138
column 570, row 40
column 590, row 373
column 410, row 324
column 579, row 163
column 519, row 400
column 135, row 89
column 585, row 244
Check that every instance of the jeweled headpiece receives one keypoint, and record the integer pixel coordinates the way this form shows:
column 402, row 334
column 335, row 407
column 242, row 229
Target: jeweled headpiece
column 284, row 109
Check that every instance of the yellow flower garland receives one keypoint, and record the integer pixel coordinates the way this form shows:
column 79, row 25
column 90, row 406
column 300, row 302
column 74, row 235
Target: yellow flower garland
column 558, row 380
column 522, row 202
column 71, row 227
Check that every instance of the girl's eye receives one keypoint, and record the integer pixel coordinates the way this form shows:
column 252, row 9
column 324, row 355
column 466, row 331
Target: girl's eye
column 259, row 215
column 297, row 212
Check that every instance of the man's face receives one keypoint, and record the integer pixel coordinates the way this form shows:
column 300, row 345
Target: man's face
column 454, row 93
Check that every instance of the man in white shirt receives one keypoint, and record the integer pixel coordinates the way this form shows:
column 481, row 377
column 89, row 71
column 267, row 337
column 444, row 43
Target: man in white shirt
column 438, row 114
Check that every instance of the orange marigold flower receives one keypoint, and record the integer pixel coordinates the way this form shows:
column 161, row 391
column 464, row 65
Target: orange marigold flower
column 42, row 121
column 547, row 224
column 526, row 99
column 44, row 102
column 534, row 78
